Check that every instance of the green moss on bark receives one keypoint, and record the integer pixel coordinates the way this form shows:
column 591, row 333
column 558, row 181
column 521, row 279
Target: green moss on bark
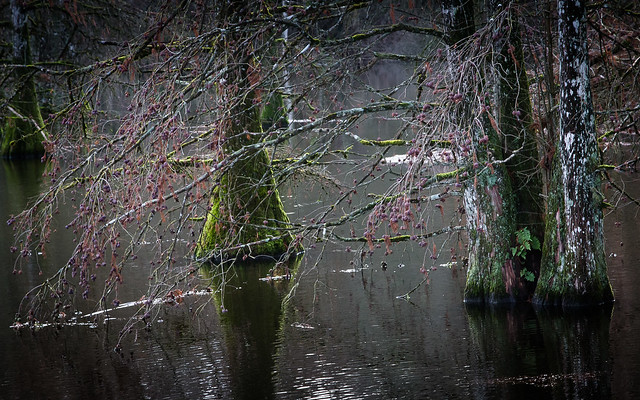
column 24, row 133
column 574, row 270
column 273, row 112
column 21, row 139
column 247, row 216
column 564, row 280
column 504, row 195
column 489, row 204
column 244, row 210
column 516, row 126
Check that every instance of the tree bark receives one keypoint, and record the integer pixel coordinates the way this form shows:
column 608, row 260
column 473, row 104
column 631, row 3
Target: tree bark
column 24, row 129
column 515, row 119
column 502, row 198
column 247, row 216
column 245, row 206
column 513, row 105
column 573, row 270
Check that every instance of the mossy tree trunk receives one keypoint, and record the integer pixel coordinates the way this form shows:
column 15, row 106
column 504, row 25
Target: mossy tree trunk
column 489, row 205
column 274, row 113
column 24, row 129
column 515, row 120
column 513, row 102
column 496, row 202
column 574, row 270
column 247, row 216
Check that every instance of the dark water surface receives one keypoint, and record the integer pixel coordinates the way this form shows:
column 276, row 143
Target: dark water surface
column 344, row 334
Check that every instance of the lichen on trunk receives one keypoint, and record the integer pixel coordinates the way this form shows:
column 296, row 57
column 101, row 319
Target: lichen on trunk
column 491, row 218
column 573, row 269
column 503, row 195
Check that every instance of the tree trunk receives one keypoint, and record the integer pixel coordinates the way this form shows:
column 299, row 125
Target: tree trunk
column 515, row 119
column 502, row 198
column 24, row 129
column 245, row 206
column 247, row 217
column 489, row 206
column 513, row 104
column 573, row 270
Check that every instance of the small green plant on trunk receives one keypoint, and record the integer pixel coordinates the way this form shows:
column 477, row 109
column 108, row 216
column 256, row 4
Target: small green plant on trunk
column 525, row 242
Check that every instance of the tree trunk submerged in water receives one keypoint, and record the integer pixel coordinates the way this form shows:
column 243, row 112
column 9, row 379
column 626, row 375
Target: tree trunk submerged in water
column 515, row 120
column 501, row 199
column 574, row 270
column 247, row 217
column 24, row 129
column 488, row 199
column 489, row 206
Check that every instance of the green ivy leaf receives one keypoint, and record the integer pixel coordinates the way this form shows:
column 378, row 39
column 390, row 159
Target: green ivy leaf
column 527, row 275
column 535, row 243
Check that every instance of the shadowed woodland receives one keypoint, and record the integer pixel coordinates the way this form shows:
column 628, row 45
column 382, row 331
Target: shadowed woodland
column 193, row 126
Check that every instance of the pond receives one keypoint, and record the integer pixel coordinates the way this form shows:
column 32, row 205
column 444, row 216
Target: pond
column 343, row 333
